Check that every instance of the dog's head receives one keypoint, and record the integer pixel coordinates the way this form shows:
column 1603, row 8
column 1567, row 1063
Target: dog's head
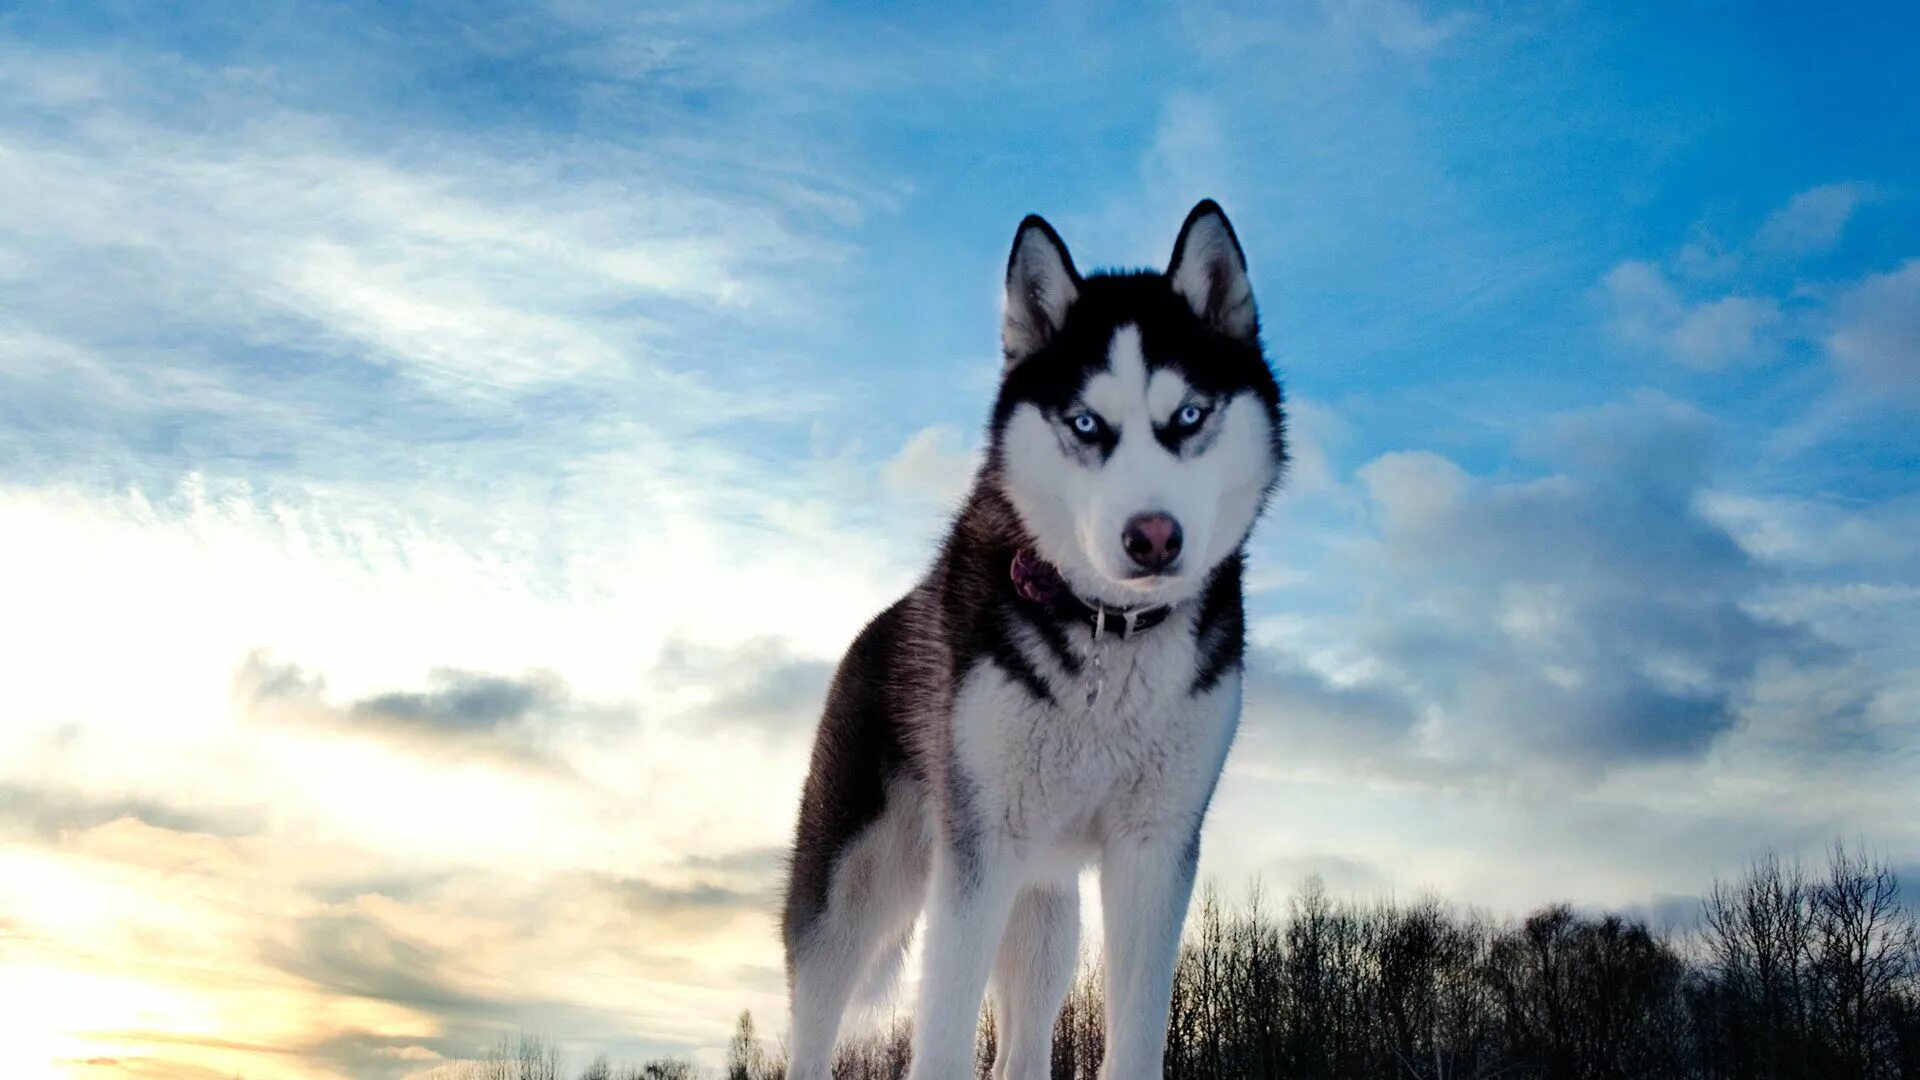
column 1138, row 430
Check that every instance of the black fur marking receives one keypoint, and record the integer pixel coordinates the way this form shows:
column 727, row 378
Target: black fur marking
column 1218, row 285
column 1220, row 633
column 1053, row 634
column 1190, row 852
column 981, row 608
column 1006, row 656
column 859, row 746
column 1215, row 365
column 962, row 828
column 1173, row 436
column 1028, row 321
column 1091, row 451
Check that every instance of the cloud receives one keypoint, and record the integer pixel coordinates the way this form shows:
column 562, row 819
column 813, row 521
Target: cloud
column 356, row 955
column 934, row 464
column 699, row 907
column 1875, row 334
column 1732, row 329
column 1188, row 156
column 318, row 960
column 1648, row 312
column 758, row 865
column 218, row 267
column 46, row 811
column 1568, row 624
column 513, row 720
column 1295, row 711
column 1396, row 27
column 463, row 701
column 1811, row 222
column 760, row 683
column 1804, row 534
column 1342, row 875
column 1808, row 224
column 1869, row 335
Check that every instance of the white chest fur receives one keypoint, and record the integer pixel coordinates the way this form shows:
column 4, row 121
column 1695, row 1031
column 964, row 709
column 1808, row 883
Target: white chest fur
column 1123, row 747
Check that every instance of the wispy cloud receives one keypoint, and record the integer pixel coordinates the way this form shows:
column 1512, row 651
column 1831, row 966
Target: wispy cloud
column 1811, row 222
column 1649, row 312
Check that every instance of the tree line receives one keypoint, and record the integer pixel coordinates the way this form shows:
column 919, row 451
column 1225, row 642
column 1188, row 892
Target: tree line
column 1791, row 974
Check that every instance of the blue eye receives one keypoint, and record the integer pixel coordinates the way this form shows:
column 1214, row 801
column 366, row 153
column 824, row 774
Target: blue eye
column 1189, row 417
column 1085, row 425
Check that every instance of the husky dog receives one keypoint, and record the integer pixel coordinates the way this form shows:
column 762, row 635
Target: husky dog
column 1061, row 688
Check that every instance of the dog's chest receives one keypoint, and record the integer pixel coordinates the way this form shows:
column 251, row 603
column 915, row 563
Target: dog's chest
column 1118, row 744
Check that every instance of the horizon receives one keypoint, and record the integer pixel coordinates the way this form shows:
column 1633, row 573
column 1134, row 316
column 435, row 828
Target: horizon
column 444, row 451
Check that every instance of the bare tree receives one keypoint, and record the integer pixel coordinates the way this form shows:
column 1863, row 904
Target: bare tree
column 746, row 1058
column 1863, row 949
column 522, row 1057
column 662, row 1069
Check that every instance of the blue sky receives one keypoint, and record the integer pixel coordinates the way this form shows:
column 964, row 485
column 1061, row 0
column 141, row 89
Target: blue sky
column 433, row 439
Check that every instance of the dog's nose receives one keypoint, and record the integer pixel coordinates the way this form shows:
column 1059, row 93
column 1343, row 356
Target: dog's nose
column 1153, row 540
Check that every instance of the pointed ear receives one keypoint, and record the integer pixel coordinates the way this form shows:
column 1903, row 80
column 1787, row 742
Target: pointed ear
column 1209, row 270
column 1041, row 285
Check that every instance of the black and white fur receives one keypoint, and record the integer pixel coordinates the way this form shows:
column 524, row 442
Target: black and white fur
column 978, row 748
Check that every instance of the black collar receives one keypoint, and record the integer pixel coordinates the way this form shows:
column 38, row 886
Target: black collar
column 1038, row 582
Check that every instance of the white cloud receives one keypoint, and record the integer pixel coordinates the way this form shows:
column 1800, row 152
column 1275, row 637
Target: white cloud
column 1730, row 330
column 1648, row 312
column 1411, row 488
column 1188, row 157
column 477, row 264
column 1811, row 222
column 1875, row 335
column 935, row 463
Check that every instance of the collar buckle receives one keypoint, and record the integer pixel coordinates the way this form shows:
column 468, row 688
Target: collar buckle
column 1130, row 620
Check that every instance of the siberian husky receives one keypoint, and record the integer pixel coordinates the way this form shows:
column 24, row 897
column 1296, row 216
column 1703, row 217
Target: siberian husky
column 1061, row 688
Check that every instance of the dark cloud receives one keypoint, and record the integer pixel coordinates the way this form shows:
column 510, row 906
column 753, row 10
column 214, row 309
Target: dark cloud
column 151, row 1054
column 466, row 701
column 1305, row 714
column 703, row 900
column 760, row 863
column 404, row 886
column 356, row 955
column 359, row 956
column 1586, row 617
column 45, row 811
column 513, row 719
column 761, row 682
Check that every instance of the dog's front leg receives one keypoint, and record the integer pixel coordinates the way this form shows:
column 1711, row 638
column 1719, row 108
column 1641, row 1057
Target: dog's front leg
column 1145, row 882
column 972, row 893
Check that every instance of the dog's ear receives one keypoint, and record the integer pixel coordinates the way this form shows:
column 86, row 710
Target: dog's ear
column 1210, row 271
column 1041, row 285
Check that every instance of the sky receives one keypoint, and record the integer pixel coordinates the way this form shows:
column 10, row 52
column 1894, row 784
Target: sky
column 445, row 448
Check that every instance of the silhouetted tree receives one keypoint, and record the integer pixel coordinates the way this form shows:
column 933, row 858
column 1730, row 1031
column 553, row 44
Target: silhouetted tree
column 1863, row 950
column 662, row 1069
column 522, row 1057
column 746, row 1058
